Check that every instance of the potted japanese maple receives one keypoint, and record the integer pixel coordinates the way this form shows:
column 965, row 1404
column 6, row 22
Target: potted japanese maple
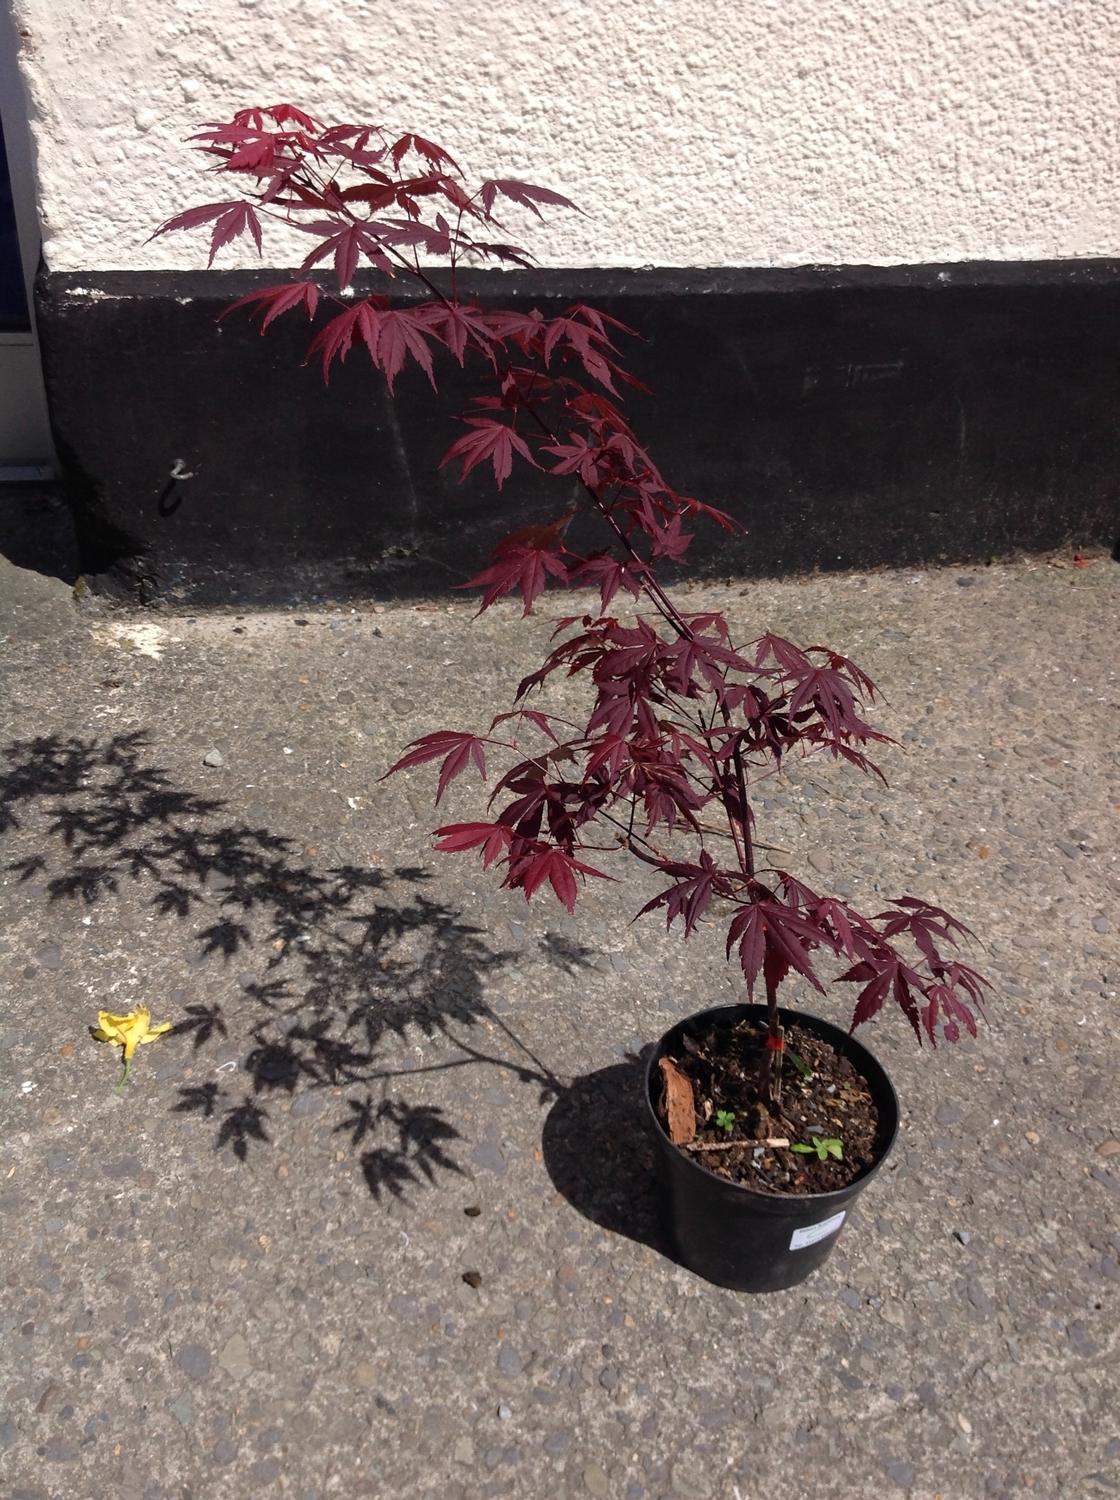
column 769, row 1121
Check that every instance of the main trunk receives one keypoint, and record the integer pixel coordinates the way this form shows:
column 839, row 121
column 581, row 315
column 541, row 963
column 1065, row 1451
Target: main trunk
column 772, row 1052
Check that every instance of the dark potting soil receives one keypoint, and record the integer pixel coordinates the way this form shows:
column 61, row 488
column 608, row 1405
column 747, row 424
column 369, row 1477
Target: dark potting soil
column 832, row 1101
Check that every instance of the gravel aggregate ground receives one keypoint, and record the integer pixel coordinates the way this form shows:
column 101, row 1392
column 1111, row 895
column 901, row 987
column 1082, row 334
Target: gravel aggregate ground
column 375, row 1219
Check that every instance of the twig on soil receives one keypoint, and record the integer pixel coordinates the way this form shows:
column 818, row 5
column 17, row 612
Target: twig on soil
column 728, row 1145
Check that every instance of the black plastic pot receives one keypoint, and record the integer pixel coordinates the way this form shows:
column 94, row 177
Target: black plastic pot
column 735, row 1235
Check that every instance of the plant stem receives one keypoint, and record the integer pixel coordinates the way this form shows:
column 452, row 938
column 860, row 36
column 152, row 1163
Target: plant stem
column 772, row 1049
column 739, row 816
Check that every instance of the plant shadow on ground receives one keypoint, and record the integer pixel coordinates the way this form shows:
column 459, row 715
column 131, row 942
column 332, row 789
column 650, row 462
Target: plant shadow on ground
column 599, row 1155
column 355, row 956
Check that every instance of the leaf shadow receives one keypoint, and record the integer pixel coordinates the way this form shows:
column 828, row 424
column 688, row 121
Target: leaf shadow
column 342, row 960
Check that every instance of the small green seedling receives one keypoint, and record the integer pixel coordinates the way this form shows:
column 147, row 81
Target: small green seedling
column 725, row 1120
column 799, row 1063
column 824, row 1145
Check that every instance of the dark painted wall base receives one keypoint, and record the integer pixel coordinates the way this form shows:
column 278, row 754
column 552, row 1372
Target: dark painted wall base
column 849, row 417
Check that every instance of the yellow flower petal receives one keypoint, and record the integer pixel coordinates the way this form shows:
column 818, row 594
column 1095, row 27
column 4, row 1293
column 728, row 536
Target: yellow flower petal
column 111, row 1022
column 129, row 1031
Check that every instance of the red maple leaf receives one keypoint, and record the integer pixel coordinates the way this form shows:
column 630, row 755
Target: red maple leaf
column 347, row 245
column 403, row 332
column 521, row 566
column 230, row 221
column 457, row 748
column 535, row 863
column 493, row 838
column 429, row 151
column 274, row 300
column 334, row 339
column 488, row 440
column 772, row 940
column 692, row 892
column 523, row 193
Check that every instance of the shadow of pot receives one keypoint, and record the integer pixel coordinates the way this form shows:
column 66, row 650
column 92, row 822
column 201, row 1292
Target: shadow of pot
column 599, row 1153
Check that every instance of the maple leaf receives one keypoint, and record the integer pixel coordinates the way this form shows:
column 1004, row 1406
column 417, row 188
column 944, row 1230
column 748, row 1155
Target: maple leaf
column 191, row 218
column 830, row 694
column 493, row 838
column 232, row 225
column 579, row 456
column 526, row 813
column 967, row 979
column 282, row 113
column 230, row 221
column 459, row 324
column 414, row 234
column 352, row 143
column 772, row 940
column 521, row 566
column 924, row 923
column 944, row 999
column 403, row 332
column 693, row 507
column 691, row 895
column 377, row 194
column 271, row 301
column 299, row 196
column 847, row 927
column 523, row 193
column 347, row 245
column 610, row 753
column 856, row 675
column 430, row 152
column 614, row 708
column 882, row 973
column 600, row 320
column 504, row 323
column 247, row 149
column 609, row 574
column 788, row 657
column 334, row 339
column 488, row 440
column 585, row 342
column 870, row 999
column 512, row 254
column 457, row 749
column 698, row 656
column 535, row 863
column 670, row 540
column 845, row 752
column 535, row 717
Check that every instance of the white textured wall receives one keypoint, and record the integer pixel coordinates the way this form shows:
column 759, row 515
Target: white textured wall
column 732, row 132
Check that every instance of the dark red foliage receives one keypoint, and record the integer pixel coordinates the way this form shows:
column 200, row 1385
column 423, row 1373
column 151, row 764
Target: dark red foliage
column 457, row 752
column 680, row 719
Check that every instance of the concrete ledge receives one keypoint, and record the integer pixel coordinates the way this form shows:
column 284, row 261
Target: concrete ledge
column 850, row 416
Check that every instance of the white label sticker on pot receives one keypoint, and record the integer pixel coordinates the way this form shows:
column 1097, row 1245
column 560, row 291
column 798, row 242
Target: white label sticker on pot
column 814, row 1232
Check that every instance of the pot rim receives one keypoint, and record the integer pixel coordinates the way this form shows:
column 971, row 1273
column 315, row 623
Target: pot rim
column 833, row 1195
